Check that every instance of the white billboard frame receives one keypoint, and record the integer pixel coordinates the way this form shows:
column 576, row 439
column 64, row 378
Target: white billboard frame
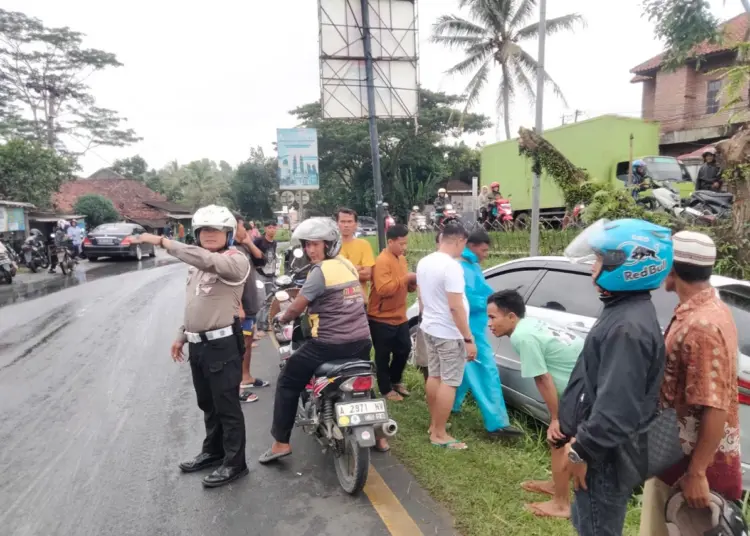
column 395, row 53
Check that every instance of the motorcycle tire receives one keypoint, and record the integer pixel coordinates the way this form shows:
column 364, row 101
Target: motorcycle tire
column 32, row 265
column 43, row 262
column 64, row 267
column 8, row 277
column 352, row 476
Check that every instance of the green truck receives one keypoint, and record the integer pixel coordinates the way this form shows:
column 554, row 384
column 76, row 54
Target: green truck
column 600, row 145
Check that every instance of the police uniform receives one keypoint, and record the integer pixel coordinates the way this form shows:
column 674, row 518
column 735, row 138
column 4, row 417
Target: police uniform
column 216, row 346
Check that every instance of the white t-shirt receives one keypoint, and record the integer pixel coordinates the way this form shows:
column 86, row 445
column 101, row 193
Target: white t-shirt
column 437, row 274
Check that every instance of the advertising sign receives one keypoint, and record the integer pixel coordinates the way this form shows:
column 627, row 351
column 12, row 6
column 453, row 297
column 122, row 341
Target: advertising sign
column 298, row 158
column 11, row 219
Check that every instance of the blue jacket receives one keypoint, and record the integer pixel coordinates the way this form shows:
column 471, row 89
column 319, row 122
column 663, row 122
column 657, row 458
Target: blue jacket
column 477, row 292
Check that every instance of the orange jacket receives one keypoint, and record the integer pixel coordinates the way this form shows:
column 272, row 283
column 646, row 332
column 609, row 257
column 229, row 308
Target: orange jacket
column 390, row 287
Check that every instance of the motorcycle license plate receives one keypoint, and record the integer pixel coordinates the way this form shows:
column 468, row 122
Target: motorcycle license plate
column 364, row 412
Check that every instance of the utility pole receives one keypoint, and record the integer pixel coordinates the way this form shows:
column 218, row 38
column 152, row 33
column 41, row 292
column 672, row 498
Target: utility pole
column 374, row 143
column 536, row 185
column 578, row 112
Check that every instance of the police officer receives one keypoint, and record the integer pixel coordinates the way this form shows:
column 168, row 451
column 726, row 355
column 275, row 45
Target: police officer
column 212, row 328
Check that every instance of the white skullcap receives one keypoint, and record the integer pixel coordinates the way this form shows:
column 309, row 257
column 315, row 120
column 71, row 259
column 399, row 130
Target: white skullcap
column 694, row 248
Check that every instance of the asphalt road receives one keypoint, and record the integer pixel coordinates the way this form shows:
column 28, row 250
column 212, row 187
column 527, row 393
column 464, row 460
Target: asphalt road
column 94, row 418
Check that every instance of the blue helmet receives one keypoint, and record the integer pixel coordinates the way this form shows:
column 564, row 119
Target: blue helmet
column 637, row 164
column 636, row 255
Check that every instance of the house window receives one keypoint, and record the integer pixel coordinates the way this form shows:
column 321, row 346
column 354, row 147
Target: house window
column 712, row 96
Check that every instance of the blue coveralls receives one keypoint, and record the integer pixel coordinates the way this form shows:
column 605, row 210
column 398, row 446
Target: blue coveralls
column 481, row 375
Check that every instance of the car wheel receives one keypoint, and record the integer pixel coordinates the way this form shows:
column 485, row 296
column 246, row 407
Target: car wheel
column 92, row 259
column 138, row 252
column 153, row 252
column 413, row 336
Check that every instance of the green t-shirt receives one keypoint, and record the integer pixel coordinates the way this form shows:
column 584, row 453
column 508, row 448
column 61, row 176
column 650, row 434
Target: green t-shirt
column 546, row 348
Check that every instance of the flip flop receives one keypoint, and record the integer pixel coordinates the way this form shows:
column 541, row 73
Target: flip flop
column 532, row 486
column 270, row 456
column 248, row 397
column 402, row 391
column 451, row 445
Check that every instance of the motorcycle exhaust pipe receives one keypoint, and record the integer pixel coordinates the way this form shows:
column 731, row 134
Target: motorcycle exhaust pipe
column 389, row 428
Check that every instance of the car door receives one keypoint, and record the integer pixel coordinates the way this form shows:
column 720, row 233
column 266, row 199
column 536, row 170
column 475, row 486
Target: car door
column 568, row 300
column 508, row 364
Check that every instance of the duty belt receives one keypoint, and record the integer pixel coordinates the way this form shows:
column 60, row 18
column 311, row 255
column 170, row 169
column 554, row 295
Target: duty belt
column 205, row 336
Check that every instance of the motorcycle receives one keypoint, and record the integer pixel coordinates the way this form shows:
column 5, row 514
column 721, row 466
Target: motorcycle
column 66, row 255
column 34, row 255
column 420, row 223
column 337, row 407
column 8, row 268
column 718, row 204
column 665, row 198
column 448, row 216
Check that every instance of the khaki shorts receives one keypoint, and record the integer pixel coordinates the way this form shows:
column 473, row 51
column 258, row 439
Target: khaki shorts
column 446, row 359
column 655, row 496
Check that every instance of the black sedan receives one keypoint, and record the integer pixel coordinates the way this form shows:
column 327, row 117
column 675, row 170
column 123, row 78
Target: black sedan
column 115, row 240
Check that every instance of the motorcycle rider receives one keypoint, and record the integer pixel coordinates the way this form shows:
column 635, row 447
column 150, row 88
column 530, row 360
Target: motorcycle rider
column 439, row 204
column 335, row 303
column 212, row 327
column 75, row 234
column 414, row 219
column 709, row 174
column 58, row 243
column 640, row 178
column 613, row 390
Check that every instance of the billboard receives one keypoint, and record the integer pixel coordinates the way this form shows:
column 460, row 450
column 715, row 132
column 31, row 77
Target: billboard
column 12, row 219
column 298, row 158
column 395, row 53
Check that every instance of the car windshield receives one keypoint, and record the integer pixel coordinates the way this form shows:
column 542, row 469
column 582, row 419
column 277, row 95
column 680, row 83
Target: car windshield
column 666, row 168
column 364, row 220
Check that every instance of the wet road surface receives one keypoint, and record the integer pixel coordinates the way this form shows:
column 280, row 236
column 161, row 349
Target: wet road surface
column 94, row 417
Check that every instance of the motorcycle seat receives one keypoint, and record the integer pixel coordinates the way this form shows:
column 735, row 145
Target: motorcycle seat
column 719, row 196
column 350, row 365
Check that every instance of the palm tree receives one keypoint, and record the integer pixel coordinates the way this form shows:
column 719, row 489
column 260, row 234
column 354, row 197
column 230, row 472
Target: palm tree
column 490, row 38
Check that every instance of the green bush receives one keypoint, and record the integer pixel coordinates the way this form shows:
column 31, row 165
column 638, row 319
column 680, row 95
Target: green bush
column 97, row 210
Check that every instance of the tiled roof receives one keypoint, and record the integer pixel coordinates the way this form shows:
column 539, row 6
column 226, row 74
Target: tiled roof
column 127, row 195
column 168, row 206
column 733, row 32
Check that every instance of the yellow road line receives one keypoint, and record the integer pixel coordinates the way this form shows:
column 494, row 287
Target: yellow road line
column 393, row 514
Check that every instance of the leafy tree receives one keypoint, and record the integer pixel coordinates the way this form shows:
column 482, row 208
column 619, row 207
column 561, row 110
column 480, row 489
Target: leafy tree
column 253, row 185
column 134, row 167
column 31, row 173
column 491, row 38
column 97, row 209
column 43, row 94
column 421, row 149
column 682, row 24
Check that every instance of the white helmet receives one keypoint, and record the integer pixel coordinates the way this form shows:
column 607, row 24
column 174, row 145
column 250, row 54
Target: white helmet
column 415, row 208
column 214, row 217
column 62, row 224
column 442, row 191
column 324, row 229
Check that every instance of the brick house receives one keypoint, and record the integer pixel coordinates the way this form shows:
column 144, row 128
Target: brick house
column 135, row 201
column 689, row 101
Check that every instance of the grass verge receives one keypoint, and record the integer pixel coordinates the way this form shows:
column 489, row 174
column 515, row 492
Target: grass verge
column 480, row 486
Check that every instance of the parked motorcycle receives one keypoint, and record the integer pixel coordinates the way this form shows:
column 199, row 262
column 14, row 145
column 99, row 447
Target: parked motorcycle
column 337, row 407
column 34, row 254
column 718, row 204
column 666, row 198
column 8, row 267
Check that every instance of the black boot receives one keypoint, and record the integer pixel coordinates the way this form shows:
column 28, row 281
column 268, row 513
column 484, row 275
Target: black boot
column 224, row 475
column 200, row 462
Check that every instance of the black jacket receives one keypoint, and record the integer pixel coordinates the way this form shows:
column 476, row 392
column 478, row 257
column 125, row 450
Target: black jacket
column 707, row 175
column 614, row 388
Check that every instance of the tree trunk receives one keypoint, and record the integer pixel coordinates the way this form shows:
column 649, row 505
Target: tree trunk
column 506, row 111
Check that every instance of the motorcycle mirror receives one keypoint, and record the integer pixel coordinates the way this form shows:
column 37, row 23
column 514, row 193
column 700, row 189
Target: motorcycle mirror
column 298, row 253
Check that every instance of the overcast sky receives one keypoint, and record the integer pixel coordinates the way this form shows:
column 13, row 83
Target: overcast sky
column 212, row 79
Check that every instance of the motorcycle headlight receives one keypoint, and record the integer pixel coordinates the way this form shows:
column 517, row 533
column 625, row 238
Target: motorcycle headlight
column 283, row 280
column 282, row 295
